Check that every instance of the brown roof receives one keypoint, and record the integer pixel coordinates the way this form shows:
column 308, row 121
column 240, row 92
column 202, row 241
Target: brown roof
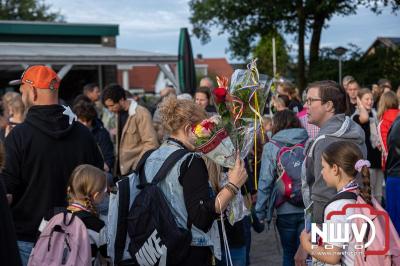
column 389, row 42
column 146, row 76
column 142, row 77
column 216, row 66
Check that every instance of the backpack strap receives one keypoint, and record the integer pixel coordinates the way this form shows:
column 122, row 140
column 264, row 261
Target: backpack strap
column 337, row 134
column 142, row 160
column 171, row 160
column 275, row 143
column 115, row 178
column 283, row 148
column 342, row 195
column 166, row 167
column 140, row 168
column 168, row 164
column 288, row 148
column 123, row 209
column 279, row 145
column 65, row 218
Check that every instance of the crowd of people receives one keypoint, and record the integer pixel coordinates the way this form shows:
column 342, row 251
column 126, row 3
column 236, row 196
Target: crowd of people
column 69, row 158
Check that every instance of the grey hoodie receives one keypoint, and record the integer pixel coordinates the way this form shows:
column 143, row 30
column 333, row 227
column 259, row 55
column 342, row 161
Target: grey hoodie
column 338, row 128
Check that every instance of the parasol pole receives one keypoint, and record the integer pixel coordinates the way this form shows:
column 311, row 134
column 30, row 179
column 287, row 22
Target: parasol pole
column 273, row 56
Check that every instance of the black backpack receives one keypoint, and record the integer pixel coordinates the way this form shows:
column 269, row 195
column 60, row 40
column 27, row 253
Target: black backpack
column 151, row 224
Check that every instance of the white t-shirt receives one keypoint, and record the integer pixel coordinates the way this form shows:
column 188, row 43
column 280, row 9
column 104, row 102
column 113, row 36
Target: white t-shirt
column 348, row 255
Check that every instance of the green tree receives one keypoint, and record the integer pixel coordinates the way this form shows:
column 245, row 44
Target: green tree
column 245, row 21
column 366, row 69
column 385, row 63
column 32, row 10
column 263, row 51
column 321, row 11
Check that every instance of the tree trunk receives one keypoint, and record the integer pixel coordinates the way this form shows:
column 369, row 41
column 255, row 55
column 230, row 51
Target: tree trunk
column 301, row 64
column 317, row 27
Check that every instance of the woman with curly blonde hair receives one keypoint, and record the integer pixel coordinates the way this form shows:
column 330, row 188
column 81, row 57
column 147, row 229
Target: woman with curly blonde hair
column 186, row 186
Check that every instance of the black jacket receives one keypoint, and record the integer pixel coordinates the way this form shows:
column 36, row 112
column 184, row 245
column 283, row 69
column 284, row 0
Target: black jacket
column 41, row 154
column 103, row 139
column 393, row 143
column 9, row 254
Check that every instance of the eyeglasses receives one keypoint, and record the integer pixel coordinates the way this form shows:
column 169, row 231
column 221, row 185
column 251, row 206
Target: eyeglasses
column 309, row 101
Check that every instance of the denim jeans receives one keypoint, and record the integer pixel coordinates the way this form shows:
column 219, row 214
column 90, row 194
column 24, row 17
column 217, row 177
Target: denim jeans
column 290, row 227
column 238, row 256
column 393, row 200
column 25, row 249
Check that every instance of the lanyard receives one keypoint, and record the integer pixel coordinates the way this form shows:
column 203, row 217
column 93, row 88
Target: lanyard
column 79, row 206
column 350, row 186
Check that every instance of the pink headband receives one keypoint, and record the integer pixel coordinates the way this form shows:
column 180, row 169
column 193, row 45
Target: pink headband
column 360, row 164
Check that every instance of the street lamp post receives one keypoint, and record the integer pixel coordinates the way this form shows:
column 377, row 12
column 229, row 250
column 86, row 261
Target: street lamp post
column 339, row 52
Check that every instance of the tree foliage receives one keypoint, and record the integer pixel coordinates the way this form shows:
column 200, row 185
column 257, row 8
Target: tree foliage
column 366, row 69
column 243, row 21
column 31, row 10
column 263, row 51
column 246, row 21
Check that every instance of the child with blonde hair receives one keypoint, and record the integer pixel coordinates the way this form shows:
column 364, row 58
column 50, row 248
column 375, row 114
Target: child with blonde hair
column 87, row 188
column 17, row 114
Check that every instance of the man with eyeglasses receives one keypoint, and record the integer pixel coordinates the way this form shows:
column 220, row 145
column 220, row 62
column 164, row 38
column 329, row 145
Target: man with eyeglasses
column 326, row 104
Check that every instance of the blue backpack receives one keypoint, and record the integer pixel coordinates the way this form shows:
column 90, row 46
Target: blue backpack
column 287, row 186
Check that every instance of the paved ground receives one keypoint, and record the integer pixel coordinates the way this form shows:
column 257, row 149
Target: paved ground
column 266, row 248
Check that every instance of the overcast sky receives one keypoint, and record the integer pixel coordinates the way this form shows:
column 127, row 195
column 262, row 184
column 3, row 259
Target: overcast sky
column 153, row 25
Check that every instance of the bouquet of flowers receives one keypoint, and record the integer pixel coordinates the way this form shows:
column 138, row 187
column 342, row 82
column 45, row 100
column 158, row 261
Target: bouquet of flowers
column 214, row 142
column 241, row 107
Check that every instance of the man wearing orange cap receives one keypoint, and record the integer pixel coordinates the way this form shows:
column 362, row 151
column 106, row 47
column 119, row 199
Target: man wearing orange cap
column 41, row 154
column 38, row 80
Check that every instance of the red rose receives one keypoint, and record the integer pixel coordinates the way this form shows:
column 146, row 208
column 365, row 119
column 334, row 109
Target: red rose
column 207, row 125
column 220, row 94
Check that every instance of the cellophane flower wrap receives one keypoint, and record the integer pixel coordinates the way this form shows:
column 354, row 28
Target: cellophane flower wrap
column 242, row 105
column 214, row 142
